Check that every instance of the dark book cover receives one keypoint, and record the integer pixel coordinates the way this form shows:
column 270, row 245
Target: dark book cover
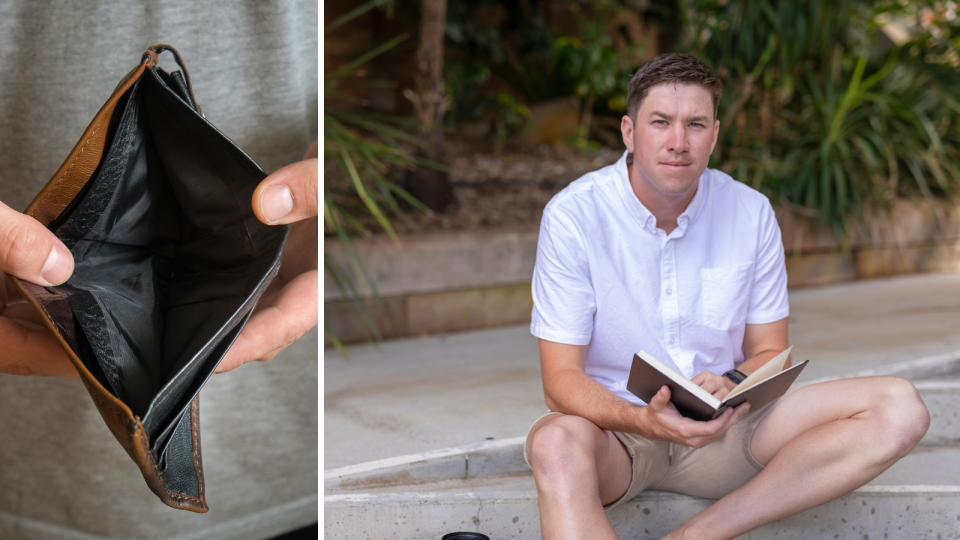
column 768, row 390
column 646, row 380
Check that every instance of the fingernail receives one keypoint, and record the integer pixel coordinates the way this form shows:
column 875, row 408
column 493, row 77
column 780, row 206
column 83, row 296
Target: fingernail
column 57, row 268
column 276, row 202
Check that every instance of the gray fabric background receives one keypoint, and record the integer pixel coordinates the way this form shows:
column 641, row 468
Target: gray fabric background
column 254, row 69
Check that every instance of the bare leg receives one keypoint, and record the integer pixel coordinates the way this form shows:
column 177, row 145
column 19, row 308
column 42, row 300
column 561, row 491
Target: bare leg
column 578, row 468
column 821, row 442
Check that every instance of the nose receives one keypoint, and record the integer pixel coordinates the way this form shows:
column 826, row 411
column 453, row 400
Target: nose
column 678, row 141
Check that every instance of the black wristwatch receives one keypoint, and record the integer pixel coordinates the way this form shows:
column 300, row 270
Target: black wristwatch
column 735, row 375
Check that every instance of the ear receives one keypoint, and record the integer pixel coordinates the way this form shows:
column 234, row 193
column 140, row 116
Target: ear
column 716, row 132
column 626, row 129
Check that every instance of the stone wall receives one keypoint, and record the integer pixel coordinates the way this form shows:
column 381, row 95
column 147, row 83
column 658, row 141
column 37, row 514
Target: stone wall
column 447, row 282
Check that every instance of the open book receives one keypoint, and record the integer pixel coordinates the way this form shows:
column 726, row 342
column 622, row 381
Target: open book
column 764, row 385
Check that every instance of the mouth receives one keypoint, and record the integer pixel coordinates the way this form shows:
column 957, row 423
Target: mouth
column 675, row 164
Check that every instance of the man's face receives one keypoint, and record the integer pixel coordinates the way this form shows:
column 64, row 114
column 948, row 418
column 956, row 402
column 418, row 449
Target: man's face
column 671, row 140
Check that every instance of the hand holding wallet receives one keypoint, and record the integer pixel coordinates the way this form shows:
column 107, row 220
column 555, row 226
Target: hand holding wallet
column 154, row 204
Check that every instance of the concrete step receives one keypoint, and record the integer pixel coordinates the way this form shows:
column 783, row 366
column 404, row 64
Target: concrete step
column 942, row 398
column 487, row 487
column 468, row 387
column 505, row 456
column 918, row 498
column 915, row 512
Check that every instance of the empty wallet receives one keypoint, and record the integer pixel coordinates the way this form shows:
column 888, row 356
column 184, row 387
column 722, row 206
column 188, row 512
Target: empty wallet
column 154, row 203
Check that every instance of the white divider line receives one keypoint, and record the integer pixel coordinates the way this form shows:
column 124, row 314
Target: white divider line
column 935, row 360
column 424, row 456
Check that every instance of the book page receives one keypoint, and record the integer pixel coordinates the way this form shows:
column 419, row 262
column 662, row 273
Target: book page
column 693, row 388
column 765, row 371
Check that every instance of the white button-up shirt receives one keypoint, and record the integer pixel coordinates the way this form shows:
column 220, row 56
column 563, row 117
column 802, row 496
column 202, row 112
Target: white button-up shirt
column 608, row 278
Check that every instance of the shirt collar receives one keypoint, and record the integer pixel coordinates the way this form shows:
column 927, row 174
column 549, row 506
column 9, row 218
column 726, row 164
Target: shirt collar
column 646, row 218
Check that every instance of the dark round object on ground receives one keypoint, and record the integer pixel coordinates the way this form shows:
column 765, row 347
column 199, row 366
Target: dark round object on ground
column 465, row 536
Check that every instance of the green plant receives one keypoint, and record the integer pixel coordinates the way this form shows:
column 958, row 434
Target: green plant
column 510, row 115
column 512, row 43
column 598, row 68
column 819, row 113
column 464, row 83
column 360, row 148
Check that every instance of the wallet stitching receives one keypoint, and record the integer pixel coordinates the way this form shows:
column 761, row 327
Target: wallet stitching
column 70, row 168
column 195, row 429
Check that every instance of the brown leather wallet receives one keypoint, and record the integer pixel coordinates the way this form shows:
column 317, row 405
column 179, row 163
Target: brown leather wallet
column 154, row 203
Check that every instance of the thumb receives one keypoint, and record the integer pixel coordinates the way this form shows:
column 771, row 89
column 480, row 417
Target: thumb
column 31, row 252
column 313, row 151
column 661, row 399
column 288, row 195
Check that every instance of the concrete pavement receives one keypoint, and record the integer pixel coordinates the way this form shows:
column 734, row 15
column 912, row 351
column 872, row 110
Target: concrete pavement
column 481, row 390
column 420, row 394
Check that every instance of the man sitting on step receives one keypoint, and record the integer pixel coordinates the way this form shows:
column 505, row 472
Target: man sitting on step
column 657, row 252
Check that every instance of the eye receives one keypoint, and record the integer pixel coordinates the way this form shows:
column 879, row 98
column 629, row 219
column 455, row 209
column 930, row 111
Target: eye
column 696, row 124
column 660, row 122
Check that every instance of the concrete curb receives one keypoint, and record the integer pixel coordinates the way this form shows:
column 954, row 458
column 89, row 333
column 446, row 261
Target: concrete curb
column 490, row 458
column 419, row 495
column 937, row 365
column 914, row 511
column 505, row 456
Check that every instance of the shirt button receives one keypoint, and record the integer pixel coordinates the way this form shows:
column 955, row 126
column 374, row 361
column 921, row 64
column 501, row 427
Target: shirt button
column 672, row 341
column 669, row 292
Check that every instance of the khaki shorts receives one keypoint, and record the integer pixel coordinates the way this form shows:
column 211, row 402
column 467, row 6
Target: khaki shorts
column 711, row 472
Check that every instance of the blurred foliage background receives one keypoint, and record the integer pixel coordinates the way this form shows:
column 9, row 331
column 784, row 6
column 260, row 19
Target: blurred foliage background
column 828, row 107
column 831, row 105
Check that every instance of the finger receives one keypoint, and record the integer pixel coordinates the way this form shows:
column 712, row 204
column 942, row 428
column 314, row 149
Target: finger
column 729, row 418
column 32, row 351
column 22, row 312
column 313, row 151
column 288, row 195
column 31, row 252
column 700, row 378
column 712, row 427
column 711, row 385
column 269, row 356
column 274, row 327
column 738, row 413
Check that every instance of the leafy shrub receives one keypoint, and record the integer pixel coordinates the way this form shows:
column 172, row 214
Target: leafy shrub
column 823, row 111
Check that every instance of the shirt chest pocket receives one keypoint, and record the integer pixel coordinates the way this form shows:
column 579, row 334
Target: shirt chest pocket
column 726, row 295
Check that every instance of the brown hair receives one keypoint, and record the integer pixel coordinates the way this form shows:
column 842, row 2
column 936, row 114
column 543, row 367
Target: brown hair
column 671, row 68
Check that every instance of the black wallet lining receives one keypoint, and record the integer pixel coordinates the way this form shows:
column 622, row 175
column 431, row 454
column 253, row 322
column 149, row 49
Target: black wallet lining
column 170, row 259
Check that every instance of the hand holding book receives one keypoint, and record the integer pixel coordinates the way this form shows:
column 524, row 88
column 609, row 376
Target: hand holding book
column 665, row 423
column 648, row 375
